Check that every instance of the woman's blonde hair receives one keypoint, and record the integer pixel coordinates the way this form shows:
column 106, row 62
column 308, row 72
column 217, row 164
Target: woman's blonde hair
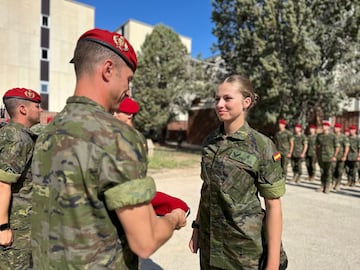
column 245, row 87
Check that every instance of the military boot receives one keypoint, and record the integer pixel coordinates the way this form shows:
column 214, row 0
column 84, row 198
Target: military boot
column 321, row 188
column 337, row 186
column 297, row 178
column 327, row 188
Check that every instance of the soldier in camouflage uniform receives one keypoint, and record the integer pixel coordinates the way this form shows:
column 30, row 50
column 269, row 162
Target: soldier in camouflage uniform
column 353, row 156
column 91, row 199
column 16, row 149
column 343, row 142
column 284, row 141
column 298, row 154
column 238, row 163
column 310, row 159
column 327, row 148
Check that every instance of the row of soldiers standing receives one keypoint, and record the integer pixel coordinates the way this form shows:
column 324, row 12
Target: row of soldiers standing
column 335, row 152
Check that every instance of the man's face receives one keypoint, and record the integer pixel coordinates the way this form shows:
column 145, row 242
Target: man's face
column 34, row 111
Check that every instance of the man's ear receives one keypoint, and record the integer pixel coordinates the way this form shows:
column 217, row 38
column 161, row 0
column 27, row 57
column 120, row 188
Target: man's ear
column 22, row 109
column 107, row 69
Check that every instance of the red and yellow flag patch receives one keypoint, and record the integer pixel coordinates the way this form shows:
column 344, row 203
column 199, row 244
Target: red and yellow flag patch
column 276, row 156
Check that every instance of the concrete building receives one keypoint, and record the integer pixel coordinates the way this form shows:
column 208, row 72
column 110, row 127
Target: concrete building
column 136, row 32
column 37, row 42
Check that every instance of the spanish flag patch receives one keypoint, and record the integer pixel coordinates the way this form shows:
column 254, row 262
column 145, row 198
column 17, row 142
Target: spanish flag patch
column 276, row 156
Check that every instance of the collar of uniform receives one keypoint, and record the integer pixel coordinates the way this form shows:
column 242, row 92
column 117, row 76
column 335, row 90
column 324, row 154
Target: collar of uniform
column 20, row 126
column 84, row 100
column 240, row 134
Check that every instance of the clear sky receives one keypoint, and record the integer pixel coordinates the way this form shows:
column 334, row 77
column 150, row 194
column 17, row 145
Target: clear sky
column 190, row 18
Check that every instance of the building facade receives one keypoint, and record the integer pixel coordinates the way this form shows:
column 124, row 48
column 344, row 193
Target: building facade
column 37, row 42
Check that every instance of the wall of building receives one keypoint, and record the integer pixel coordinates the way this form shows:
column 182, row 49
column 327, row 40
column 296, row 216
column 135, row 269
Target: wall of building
column 21, row 30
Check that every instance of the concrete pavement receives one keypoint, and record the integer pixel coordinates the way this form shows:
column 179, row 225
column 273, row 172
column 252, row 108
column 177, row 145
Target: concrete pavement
column 321, row 231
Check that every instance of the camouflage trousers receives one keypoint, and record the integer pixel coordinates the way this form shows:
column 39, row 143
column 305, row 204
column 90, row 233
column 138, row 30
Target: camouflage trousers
column 296, row 163
column 18, row 255
column 310, row 165
column 326, row 172
column 338, row 171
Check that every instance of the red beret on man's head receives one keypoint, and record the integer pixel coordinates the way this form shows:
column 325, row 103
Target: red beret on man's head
column 113, row 41
column 312, row 126
column 338, row 125
column 282, row 121
column 128, row 105
column 298, row 125
column 326, row 123
column 352, row 127
column 22, row 93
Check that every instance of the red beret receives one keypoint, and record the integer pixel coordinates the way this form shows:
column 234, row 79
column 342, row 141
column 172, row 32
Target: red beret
column 353, row 127
column 298, row 125
column 326, row 123
column 312, row 126
column 22, row 93
column 282, row 121
column 128, row 105
column 164, row 204
column 113, row 41
column 346, row 130
column 338, row 125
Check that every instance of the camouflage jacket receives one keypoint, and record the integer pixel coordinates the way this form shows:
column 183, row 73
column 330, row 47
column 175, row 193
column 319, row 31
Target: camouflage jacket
column 234, row 170
column 86, row 164
column 311, row 151
column 343, row 141
column 299, row 143
column 325, row 146
column 282, row 141
column 354, row 148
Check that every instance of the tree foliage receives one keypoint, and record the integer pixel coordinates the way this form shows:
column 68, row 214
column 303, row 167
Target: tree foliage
column 291, row 50
column 166, row 81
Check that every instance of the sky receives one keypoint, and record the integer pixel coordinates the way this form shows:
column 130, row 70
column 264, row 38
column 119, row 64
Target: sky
column 190, row 18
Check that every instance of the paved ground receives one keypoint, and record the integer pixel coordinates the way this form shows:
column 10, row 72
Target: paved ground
column 321, row 231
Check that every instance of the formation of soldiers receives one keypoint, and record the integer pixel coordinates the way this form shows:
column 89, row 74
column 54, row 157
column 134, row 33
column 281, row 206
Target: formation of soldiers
column 336, row 151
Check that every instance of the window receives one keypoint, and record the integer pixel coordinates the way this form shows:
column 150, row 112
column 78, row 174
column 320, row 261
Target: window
column 44, row 54
column 45, row 37
column 44, row 70
column 45, row 21
column 44, row 88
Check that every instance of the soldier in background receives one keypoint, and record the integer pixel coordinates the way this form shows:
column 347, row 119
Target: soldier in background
column 16, row 149
column 343, row 142
column 310, row 159
column 284, row 141
column 353, row 156
column 327, row 148
column 298, row 154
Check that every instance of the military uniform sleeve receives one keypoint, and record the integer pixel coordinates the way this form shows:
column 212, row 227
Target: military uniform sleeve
column 271, row 183
column 11, row 161
column 123, row 176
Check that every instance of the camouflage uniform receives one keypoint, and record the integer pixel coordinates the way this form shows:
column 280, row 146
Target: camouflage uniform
column 310, row 159
column 326, row 145
column 234, row 170
column 354, row 148
column 299, row 143
column 343, row 142
column 282, row 141
column 86, row 164
column 16, row 148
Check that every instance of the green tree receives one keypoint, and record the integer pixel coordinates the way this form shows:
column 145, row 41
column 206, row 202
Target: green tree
column 290, row 50
column 166, row 81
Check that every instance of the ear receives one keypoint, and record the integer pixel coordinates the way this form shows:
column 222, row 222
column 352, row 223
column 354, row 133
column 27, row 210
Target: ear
column 107, row 69
column 247, row 102
column 22, row 109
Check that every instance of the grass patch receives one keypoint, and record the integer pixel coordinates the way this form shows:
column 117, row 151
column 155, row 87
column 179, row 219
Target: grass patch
column 172, row 158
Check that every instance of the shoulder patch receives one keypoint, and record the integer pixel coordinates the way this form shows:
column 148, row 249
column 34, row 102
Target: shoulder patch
column 276, row 156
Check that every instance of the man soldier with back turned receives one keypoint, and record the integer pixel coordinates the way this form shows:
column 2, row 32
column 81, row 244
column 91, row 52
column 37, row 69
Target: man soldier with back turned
column 310, row 159
column 16, row 149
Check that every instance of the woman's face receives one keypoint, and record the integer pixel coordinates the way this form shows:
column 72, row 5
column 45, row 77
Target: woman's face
column 230, row 104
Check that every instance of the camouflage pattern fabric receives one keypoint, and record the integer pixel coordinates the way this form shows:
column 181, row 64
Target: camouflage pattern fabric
column 311, row 151
column 299, row 143
column 235, row 169
column 354, row 148
column 282, row 141
column 16, row 147
column 339, row 168
column 86, row 164
column 326, row 145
